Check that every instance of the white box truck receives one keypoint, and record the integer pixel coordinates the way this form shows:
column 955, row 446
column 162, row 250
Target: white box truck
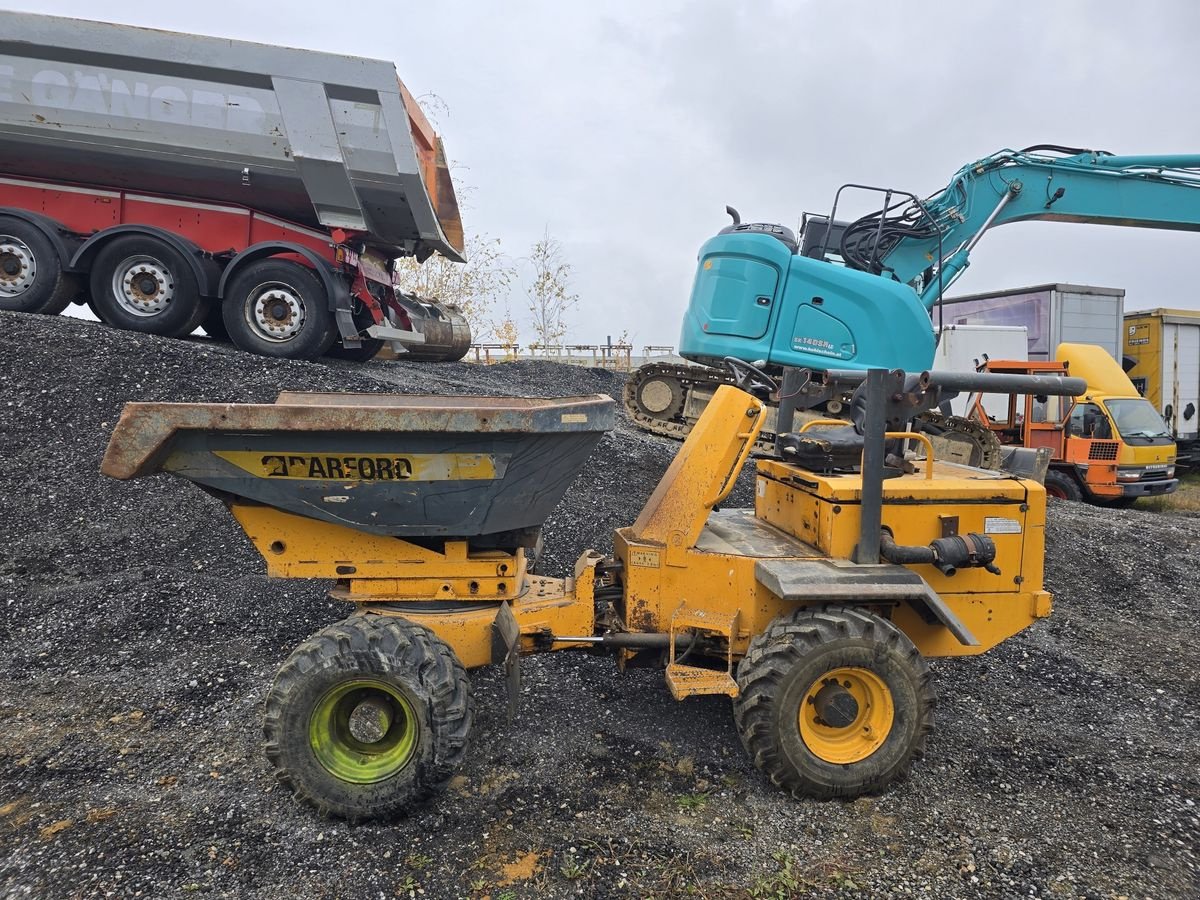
column 963, row 348
column 1052, row 314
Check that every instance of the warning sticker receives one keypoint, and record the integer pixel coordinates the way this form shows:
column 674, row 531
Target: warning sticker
column 647, row 559
column 1000, row 525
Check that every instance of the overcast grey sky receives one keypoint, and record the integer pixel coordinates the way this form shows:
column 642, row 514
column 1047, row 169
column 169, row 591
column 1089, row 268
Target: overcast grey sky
column 626, row 127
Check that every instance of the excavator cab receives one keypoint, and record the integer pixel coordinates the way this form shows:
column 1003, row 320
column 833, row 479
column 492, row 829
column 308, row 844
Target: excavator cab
column 761, row 294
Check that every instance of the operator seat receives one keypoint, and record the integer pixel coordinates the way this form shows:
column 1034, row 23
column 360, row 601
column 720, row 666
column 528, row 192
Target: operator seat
column 822, row 449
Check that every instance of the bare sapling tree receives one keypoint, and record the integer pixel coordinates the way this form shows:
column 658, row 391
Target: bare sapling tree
column 473, row 286
column 550, row 296
column 507, row 332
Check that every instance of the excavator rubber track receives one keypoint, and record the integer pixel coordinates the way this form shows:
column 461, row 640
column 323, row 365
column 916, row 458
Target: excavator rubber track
column 656, row 398
column 667, row 399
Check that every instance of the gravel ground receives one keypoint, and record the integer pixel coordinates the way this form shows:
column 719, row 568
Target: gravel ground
column 139, row 638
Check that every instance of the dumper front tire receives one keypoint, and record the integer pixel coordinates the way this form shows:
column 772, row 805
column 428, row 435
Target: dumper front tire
column 276, row 307
column 31, row 275
column 368, row 718
column 833, row 702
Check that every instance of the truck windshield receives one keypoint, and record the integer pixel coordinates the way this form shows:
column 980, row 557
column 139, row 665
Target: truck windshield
column 1136, row 418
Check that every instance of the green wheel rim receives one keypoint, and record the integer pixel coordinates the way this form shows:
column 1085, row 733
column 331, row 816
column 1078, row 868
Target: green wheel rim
column 346, row 756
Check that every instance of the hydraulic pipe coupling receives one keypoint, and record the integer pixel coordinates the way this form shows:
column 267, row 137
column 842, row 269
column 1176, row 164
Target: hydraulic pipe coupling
column 947, row 554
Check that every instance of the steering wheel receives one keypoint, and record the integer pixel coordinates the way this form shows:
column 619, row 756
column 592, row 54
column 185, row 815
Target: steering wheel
column 749, row 377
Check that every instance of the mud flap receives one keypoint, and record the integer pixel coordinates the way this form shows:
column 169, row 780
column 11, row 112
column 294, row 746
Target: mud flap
column 506, row 643
column 347, row 330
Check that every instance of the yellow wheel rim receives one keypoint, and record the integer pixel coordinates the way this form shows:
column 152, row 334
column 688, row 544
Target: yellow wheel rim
column 846, row 715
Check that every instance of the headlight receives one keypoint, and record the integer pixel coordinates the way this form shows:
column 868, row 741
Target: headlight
column 1129, row 474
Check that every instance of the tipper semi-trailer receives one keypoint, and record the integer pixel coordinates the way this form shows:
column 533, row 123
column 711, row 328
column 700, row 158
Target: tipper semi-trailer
column 172, row 181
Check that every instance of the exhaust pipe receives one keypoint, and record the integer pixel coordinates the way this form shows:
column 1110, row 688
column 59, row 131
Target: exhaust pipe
column 947, row 555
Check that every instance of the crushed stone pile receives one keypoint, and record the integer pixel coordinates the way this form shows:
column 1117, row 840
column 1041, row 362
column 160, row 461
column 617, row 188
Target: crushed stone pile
column 138, row 637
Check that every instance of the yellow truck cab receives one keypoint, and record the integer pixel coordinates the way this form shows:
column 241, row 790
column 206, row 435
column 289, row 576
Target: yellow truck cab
column 1109, row 446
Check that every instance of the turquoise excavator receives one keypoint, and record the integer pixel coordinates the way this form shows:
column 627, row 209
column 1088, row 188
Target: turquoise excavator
column 856, row 295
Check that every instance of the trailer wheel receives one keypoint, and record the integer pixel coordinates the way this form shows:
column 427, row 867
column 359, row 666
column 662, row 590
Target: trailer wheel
column 31, row 275
column 275, row 307
column 214, row 323
column 833, row 702
column 1062, row 486
column 142, row 284
column 368, row 717
column 370, row 346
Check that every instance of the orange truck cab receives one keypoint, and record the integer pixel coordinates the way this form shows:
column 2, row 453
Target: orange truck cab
column 1109, row 446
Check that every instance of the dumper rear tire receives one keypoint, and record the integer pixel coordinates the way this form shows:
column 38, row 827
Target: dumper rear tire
column 276, row 307
column 143, row 284
column 32, row 279
column 833, row 702
column 368, row 718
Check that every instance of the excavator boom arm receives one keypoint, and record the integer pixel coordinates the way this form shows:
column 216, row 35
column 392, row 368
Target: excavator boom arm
column 1012, row 186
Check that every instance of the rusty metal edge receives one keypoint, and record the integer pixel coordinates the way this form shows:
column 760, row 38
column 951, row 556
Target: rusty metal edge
column 144, row 432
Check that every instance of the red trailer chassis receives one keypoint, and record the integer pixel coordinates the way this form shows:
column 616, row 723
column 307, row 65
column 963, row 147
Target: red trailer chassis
column 204, row 248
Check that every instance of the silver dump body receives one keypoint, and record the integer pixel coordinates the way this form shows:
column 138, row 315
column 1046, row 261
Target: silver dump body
column 315, row 138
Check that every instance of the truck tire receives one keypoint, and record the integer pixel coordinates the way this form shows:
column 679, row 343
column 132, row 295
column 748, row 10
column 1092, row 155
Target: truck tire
column 833, row 702
column 140, row 283
column 368, row 717
column 31, row 274
column 370, row 346
column 275, row 307
column 214, row 323
column 1062, row 486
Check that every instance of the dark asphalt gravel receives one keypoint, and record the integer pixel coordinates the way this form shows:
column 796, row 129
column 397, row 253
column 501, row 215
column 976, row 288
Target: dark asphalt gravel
column 139, row 638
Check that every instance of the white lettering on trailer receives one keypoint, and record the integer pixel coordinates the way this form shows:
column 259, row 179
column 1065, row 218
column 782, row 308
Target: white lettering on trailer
column 95, row 92
column 169, row 104
column 52, row 89
column 89, row 96
column 132, row 103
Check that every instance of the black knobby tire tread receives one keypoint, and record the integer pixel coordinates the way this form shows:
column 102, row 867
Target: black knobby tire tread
column 188, row 307
column 370, row 346
column 371, row 641
column 53, row 289
column 1067, row 484
column 313, row 341
column 214, row 323
column 775, row 652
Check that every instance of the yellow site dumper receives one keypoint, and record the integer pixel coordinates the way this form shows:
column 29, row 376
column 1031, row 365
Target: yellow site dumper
column 814, row 611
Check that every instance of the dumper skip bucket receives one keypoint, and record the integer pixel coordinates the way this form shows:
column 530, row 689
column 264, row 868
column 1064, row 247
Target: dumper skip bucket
column 391, row 464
